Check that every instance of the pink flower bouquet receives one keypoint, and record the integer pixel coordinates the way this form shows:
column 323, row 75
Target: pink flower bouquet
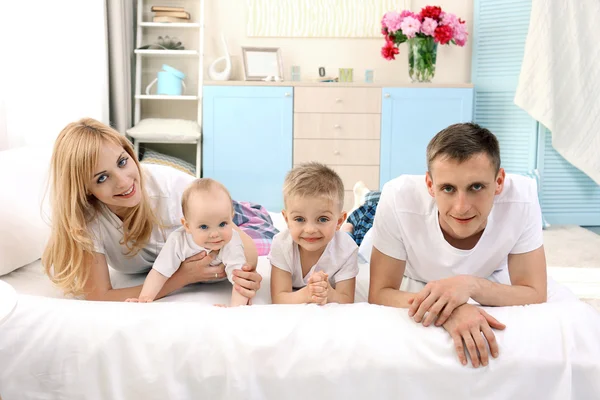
column 423, row 31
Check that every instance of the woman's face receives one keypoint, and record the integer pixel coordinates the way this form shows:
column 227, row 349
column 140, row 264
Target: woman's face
column 116, row 180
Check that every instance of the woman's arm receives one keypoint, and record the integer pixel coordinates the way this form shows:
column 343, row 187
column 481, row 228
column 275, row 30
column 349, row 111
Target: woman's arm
column 195, row 269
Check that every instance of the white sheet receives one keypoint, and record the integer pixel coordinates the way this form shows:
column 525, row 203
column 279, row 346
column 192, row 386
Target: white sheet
column 559, row 84
column 62, row 349
column 181, row 347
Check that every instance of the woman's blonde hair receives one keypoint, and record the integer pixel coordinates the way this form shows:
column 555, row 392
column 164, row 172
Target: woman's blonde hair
column 76, row 152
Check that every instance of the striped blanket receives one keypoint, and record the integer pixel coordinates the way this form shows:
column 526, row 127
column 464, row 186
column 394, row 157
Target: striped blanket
column 255, row 221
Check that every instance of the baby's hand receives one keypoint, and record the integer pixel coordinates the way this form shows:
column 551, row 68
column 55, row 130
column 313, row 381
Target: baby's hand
column 145, row 299
column 132, row 300
column 221, row 305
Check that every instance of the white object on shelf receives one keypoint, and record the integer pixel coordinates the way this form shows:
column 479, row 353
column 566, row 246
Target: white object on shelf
column 170, row 25
column 168, row 130
column 168, row 53
column 225, row 74
column 164, row 97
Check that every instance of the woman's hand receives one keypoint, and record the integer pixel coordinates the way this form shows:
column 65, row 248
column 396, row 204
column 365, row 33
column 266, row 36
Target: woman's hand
column 197, row 268
column 246, row 281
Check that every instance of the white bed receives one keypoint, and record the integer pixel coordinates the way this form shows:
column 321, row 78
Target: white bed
column 182, row 347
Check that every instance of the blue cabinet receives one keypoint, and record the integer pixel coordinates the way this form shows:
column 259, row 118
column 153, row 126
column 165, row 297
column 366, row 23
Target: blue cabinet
column 247, row 140
column 410, row 117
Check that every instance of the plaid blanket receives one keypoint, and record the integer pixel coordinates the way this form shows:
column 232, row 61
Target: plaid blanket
column 255, row 221
column 362, row 218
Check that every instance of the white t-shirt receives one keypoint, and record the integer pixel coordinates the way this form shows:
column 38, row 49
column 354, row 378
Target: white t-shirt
column 406, row 227
column 339, row 259
column 165, row 186
column 180, row 246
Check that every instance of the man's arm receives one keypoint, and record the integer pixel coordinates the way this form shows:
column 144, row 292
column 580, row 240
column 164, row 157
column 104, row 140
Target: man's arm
column 529, row 282
column 386, row 277
column 439, row 298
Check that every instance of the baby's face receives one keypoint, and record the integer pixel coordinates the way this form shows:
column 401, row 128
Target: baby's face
column 209, row 219
column 312, row 221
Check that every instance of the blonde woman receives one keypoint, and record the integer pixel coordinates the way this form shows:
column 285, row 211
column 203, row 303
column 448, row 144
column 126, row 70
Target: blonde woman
column 107, row 209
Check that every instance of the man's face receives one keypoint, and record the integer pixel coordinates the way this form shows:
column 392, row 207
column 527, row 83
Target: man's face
column 464, row 193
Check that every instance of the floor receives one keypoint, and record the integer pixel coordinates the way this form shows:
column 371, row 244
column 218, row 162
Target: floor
column 573, row 258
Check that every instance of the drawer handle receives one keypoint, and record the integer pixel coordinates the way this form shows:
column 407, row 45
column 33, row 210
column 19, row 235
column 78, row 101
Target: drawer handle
column 338, row 100
column 386, row 95
column 337, row 126
column 336, row 152
column 286, row 94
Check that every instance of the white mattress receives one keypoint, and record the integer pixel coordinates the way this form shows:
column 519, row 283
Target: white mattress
column 182, row 347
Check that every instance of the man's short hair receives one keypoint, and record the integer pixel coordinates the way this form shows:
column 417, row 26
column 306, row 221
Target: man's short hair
column 202, row 185
column 314, row 180
column 462, row 141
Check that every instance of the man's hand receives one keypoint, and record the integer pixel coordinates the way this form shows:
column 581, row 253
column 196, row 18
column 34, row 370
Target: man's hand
column 467, row 324
column 440, row 298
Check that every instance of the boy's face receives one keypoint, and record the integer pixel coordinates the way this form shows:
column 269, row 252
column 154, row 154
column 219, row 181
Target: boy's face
column 209, row 219
column 313, row 221
column 464, row 193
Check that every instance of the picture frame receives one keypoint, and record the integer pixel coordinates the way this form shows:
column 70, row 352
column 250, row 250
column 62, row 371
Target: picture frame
column 262, row 62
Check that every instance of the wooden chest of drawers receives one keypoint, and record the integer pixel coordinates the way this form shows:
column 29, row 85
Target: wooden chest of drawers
column 341, row 128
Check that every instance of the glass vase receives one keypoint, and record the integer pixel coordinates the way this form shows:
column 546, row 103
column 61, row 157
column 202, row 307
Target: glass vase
column 422, row 53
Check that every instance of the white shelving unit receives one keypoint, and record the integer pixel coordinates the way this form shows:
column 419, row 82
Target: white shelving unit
column 190, row 57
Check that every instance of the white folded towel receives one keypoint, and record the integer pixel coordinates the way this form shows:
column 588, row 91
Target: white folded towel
column 559, row 84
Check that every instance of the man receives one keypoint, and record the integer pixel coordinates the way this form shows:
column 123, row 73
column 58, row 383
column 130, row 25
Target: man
column 456, row 231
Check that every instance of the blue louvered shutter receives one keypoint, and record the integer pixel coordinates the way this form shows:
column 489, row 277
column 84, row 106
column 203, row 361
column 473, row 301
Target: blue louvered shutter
column 567, row 195
column 500, row 31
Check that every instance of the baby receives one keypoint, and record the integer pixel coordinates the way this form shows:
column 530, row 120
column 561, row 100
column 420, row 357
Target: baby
column 207, row 226
column 313, row 256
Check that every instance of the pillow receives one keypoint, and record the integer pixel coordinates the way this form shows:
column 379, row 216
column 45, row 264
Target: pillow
column 154, row 157
column 165, row 129
column 23, row 230
column 535, row 175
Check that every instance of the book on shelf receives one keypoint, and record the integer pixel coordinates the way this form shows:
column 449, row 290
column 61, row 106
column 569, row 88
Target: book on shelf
column 167, row 8
column 176, row 14
column 170, row 19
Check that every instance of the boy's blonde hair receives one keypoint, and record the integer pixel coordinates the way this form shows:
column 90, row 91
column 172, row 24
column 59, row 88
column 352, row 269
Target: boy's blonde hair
column 67, row 256
column 314, row 180
column 202, row 185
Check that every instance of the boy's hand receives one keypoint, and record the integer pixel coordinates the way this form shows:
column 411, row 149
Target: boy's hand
column 318, row 288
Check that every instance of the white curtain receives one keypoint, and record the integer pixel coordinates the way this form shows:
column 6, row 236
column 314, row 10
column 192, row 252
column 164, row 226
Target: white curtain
column 559, row 84
column 121, row 16
column 54, row 68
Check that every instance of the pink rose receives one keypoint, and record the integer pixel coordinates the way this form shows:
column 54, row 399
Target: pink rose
column 428, row 26
column 391, row 20
column 410, row 27
column 460, row 34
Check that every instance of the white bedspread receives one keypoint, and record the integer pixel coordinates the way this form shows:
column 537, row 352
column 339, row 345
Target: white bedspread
column 53, row 348
column 559, row 84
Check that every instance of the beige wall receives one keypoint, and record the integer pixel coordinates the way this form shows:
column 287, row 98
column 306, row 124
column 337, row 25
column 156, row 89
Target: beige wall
column 230, row 17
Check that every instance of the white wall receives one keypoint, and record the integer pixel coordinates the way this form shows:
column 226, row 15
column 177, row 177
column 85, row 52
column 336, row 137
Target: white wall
column 54, row 68
column 230, row 17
